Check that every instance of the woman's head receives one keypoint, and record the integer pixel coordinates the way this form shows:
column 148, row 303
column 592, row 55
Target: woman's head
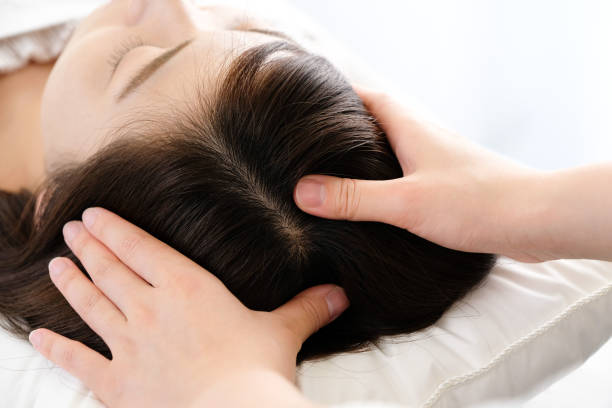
column 131, row 55
column 213, row 176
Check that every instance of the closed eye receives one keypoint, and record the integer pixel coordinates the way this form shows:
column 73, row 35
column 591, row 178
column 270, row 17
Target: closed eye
column 124, row 47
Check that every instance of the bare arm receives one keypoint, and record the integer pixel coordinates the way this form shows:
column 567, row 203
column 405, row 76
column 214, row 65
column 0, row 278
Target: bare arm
column 576, row 219
column 462, row 196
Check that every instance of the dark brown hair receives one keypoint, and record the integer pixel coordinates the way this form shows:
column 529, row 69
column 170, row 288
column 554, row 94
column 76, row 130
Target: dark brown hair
column 217, row 184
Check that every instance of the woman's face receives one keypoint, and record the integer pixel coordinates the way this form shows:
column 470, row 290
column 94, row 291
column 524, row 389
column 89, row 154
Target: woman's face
column 133, row 57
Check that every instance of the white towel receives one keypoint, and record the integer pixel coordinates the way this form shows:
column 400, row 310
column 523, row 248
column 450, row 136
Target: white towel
column 37, row 30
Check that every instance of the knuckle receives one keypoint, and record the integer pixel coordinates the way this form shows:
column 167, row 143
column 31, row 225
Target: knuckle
column 128, row 346
column 59, row 353
column 102, row 269
column 347, row 199
column 66, row 356
column 144, row 315
column 311, row 311
column 106, row 318
column 91, row 301
column 186, row 286
column 288, row 335
column 129, row 245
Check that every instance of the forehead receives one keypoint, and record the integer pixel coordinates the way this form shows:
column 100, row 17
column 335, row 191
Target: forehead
column 197, row 67
column 193, row 72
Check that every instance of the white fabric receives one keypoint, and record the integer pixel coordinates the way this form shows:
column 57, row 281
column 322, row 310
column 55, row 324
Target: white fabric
column 34, row 30
column 40, row 46
column 528, row 325
column 587, row 386
column 28, row 380
column 23, row 16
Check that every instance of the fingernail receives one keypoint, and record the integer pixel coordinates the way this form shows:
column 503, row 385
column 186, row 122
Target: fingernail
column 89, row 217
column 56, row 267
column 337, row 302
column 71, row 230
column 310, row 193
column 35, row 338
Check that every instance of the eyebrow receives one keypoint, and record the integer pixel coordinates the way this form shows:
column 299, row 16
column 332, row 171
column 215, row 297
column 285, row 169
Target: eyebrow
column 149, row 69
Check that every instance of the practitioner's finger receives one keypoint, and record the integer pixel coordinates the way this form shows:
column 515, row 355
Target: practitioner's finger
column 354, row 200
column 402, row 126
column 389, row 112
column 312, row 309
column 86, row 299
column 148, row 257
column 111, row 276
column 79, row 360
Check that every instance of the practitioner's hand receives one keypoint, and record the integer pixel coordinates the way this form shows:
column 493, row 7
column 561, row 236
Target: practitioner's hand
column 178, row 337
column 453, row 192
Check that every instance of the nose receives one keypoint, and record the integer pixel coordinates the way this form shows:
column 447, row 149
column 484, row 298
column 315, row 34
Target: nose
column 172, row 21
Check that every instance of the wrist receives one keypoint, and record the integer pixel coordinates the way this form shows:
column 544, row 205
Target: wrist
column 529, row 217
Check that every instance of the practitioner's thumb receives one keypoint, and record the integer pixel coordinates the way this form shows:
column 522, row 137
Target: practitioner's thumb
column 349, row 199
column 312, row 309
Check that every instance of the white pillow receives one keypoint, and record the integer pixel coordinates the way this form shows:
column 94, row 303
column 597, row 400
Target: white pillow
column 525, row 327
column 28, row 380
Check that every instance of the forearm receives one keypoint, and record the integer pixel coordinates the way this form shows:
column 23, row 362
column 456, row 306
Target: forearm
column 569, row 214
column 262, row 389
column 464, row 197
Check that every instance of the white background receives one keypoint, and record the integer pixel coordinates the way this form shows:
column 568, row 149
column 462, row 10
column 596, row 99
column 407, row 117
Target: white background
column 531, row 79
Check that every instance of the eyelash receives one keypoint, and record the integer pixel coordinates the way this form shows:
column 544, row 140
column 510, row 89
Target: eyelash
column 123, row 48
